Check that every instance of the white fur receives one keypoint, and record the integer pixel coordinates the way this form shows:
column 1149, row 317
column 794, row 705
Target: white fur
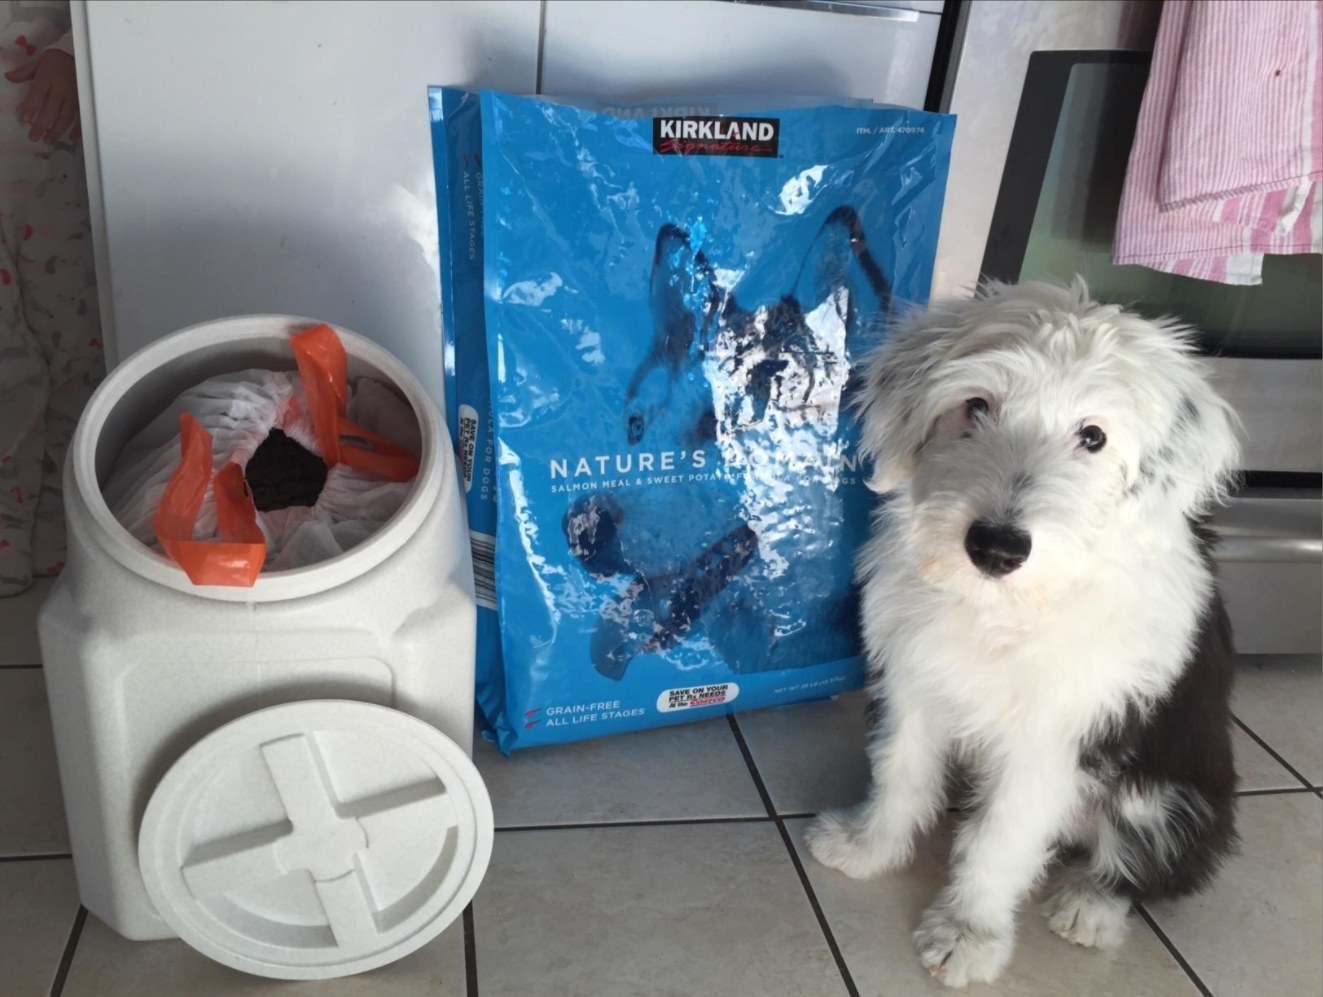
column 1014, row 674
column 1081, row 913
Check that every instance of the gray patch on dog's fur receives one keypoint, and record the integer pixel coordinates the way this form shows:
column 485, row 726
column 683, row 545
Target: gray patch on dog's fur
column 1019, row 484
column 873, row 714
column 1189, row 412
column 1147, row 475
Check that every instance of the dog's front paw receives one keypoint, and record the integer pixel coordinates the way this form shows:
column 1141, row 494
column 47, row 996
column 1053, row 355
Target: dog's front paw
column 839, row 840
column 1081, row 914
column 956, row 953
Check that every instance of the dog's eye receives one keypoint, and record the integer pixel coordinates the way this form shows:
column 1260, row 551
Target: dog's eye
column 975, row 408
column 1092, row 438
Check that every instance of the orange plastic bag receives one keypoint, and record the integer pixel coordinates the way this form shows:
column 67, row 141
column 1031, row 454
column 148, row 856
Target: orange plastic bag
column 325, row 373
column 237, row 558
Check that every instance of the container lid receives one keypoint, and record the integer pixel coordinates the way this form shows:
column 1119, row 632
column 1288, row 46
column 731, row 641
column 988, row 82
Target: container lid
column 316, row 839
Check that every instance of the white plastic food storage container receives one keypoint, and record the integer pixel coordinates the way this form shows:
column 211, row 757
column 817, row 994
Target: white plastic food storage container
column 279, row 774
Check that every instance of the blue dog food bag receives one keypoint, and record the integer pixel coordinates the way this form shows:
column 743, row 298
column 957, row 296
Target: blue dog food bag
column 651, row 316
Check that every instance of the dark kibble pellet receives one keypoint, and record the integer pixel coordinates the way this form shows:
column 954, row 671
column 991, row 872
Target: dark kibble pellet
column 282, row 473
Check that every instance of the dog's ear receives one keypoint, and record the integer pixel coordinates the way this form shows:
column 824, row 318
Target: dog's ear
column 1192, row 458
column 839, row 258
column 892, row 394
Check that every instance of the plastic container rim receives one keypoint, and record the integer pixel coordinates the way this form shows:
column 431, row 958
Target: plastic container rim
column 276, row 585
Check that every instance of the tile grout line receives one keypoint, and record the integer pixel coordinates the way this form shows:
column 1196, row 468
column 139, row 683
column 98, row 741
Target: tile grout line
column 1175, row 952
column 19, row 667
column 1269, row 748
column 67, row 957
column 36, row 857
column 652, row 822
column 846, row 977
column 470, row 953
column 758, row 783
column 1284, row 791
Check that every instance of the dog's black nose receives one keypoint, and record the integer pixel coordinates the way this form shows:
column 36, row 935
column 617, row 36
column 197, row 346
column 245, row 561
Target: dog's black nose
column 996, row 550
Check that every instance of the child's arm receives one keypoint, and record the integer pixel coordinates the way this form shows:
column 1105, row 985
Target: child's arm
column 50, row 106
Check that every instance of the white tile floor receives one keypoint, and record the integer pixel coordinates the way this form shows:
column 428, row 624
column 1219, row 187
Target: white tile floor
column 672, row 862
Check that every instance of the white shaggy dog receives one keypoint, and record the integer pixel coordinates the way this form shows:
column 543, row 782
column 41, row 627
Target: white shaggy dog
column 1039, row 605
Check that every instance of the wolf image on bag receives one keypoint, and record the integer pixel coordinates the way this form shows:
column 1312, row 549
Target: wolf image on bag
column 706, row 347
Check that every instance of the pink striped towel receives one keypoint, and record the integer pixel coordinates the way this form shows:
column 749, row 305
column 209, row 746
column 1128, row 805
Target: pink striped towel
column 1228, row 152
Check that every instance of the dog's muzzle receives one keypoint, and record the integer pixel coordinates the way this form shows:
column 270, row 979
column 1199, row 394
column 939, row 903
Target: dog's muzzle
column 996, row 550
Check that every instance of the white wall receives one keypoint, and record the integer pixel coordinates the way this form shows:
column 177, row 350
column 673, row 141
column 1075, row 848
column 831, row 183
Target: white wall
column 276, row 157
column 699, row 47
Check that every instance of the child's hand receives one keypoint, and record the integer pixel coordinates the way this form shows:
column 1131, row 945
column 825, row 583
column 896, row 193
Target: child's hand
column 51, row 103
